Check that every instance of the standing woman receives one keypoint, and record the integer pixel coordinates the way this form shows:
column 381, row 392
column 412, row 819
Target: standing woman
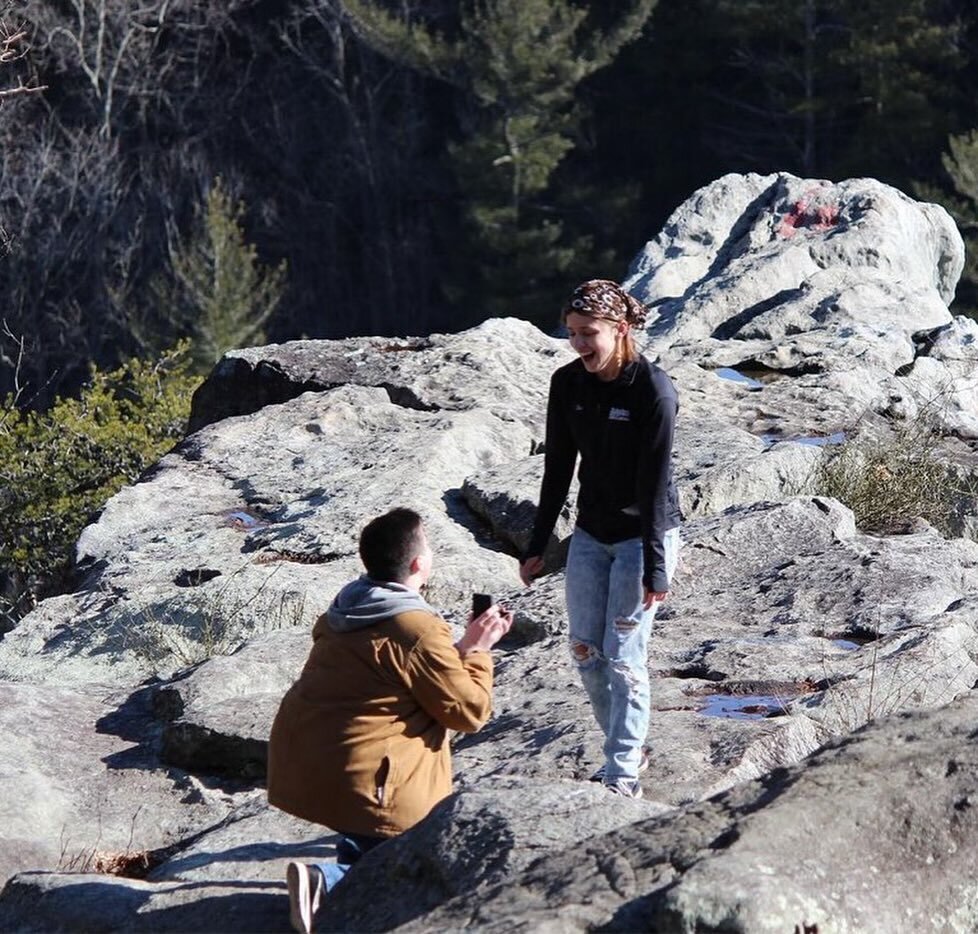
column 617, row 411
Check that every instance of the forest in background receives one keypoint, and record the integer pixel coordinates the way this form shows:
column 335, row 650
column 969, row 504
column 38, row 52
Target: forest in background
column 403, row 167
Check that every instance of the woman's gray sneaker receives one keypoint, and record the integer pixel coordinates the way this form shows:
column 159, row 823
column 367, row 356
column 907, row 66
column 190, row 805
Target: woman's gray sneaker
column 627, row 787
column 643, row 766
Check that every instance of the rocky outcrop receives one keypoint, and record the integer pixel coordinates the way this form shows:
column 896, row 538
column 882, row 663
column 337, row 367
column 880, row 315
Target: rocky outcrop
column 217, row 716
column 876, row 831
column 225, row 878
column 803, row 671
column 501, row 366
column 786, row 627
column 252, row 524
column 843, row 286
column 797, row 263
column 472, row 840
column 82, row 780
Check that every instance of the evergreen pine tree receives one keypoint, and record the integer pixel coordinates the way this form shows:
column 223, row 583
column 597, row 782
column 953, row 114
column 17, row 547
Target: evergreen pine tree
column 518, row 65
column 57, row 467
column 770, row 108
column 901, row 58
column 219, row 291
column 830, row 87
column 961, row 165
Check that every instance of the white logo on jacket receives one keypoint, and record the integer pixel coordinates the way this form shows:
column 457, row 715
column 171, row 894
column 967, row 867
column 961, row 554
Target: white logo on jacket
column 619, row 415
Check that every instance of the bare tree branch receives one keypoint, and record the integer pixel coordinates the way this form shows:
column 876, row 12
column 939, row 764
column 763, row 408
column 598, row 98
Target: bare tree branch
column 14, row 47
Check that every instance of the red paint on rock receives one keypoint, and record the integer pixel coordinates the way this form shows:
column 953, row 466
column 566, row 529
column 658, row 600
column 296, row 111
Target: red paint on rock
column 806, row 215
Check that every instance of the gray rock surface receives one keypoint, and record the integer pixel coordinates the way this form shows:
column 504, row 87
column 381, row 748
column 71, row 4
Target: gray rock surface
column 780, row 608
column 502, row 366
column 218, row 716
column 795, row 316
column 81, row 781
column 876, row 831
column 226, row 877
column 253, row 844
column 942, row 383
column 506, row 498
column 469, row 840
column 473, row 839
column 786, row 627
column 59, row 902
column 843, row 287
column 270, row 506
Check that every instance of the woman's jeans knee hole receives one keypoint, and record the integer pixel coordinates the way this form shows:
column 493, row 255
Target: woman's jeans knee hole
column 626, row 624
column 584, row 653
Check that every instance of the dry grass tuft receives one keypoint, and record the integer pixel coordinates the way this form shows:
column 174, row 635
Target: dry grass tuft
column 890, row 483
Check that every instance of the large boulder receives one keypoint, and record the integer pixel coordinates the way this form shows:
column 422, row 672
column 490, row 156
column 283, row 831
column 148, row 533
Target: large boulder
column 877, row 831
column 501, row 366
column 475, row 838
column 218, row 715
column 845, row 286
column 753, row 257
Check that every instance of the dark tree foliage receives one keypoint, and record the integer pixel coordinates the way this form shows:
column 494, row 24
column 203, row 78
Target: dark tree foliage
column 413, row 187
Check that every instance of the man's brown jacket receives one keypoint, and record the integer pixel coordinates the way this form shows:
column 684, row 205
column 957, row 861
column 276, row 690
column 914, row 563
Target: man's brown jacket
column 360, row 743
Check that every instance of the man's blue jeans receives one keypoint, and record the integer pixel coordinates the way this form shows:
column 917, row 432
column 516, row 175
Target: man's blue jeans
column 609, row 636
column 348, row 851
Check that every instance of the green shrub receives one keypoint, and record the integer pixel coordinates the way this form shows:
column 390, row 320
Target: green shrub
column 58, row 467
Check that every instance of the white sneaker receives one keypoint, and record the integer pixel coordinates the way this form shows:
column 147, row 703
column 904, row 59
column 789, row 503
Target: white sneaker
column 306, row 886
column 643, row 766
column 626, row 787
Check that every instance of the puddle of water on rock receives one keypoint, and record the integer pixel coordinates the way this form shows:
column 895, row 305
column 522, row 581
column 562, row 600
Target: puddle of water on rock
column 735, row 376
column 742, row 706
column 818, row 441
column 845, row 644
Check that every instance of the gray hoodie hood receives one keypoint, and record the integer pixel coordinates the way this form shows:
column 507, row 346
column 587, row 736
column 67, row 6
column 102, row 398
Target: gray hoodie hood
column 364, row 602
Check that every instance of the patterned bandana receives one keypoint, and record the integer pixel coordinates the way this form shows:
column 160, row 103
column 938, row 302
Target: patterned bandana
column 602, row 298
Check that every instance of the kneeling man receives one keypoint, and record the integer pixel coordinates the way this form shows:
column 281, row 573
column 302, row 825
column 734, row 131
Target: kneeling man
column 360, row 741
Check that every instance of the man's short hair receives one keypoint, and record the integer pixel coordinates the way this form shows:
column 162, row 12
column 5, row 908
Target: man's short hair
column 389, row 543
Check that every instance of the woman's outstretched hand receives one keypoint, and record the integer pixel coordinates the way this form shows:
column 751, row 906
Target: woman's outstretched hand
column 530, row 568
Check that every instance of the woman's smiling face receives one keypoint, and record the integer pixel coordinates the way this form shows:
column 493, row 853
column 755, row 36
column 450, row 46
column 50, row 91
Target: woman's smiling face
column 595, row 341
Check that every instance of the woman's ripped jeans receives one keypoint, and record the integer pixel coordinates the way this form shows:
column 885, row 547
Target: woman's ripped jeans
column 609, row 634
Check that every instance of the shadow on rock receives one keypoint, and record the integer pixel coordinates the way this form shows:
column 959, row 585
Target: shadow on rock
column 61, row 902
column 134, row 720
